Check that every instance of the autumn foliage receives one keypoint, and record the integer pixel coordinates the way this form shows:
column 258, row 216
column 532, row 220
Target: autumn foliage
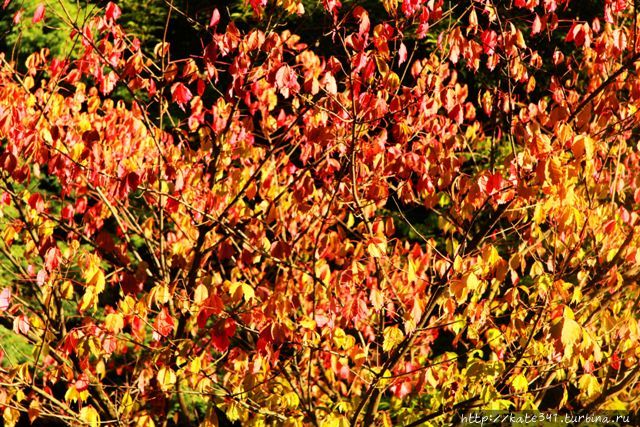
column 432, row 209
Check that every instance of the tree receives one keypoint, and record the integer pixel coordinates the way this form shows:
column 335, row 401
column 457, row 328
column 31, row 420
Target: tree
column 436, row 215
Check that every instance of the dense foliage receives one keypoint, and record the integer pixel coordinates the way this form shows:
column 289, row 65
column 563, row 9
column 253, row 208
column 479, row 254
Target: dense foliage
column 411, row 209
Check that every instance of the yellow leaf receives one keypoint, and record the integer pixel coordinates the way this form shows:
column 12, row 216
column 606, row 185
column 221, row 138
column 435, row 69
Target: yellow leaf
column 28, row 83
column 589, row 386
column 377, row 248
column 161, row 294
column 582, row 147
column 241, row 290
column 412, row 271
column 377, row 298
column 114, row 323
column 564, row 133
column 247, row 292
column 567, row 330
column 66, row 289
column 126, row 404
column 614, row 404
column 89, row 299
column 76, row 151
column 71, row 394
column 97, row 281
column 472, row 282
column 499, row 404
column 144, row 420
column 196, row 365
column 290, row 400
column 308, row 324
column 233, row 412
column 95, row 346
column 101, row 369
column 200, row 294
column 335, row 421
column 127, row 305
column 10, row 416
column 393, row 82
column 8, row 234
column 520, row 383
column 342, row 340
column 166, row 378
column 536, row 269
column 490, row 255
column 46, row 135
column 90, row 416
column 392, row 337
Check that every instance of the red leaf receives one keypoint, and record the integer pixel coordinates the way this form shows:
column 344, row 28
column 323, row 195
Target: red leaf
column 222, row 331
column 109, row 345
column 362, row 15
column 36, row 202
column 287, row 81
column 133, row 180
column 38, row 15
column 17, row 17
column 491, row 184
column 423, row 28
column 494, row 183
column 67, row 212
column 8, row 162
column 402, row 54
column 41, row 278
column 6, row 3
column 536, row 27
column 615, row 361
column 409, row 7
column 112, row 11
column 180, row 93
column 5, row 297
column 489, row 41
column 21, row 325
column 82, row 383
column 52, row 258
column 164, row 323
column 257, row 6
column 81, row 205
column 215, row 18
